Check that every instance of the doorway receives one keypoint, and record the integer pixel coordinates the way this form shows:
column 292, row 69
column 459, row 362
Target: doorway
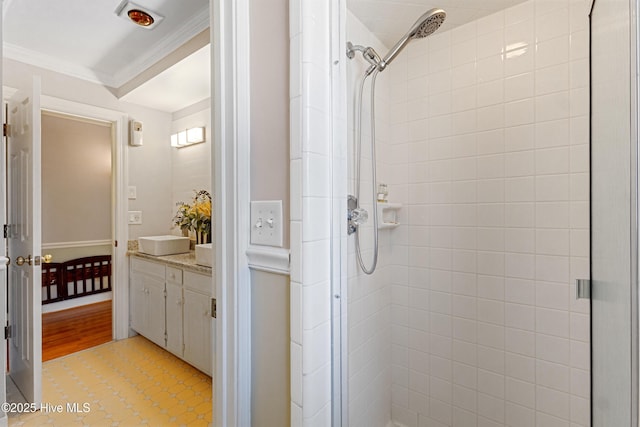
column 77, row 185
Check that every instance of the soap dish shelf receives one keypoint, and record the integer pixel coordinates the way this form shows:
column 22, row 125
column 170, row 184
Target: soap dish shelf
column 388, row 215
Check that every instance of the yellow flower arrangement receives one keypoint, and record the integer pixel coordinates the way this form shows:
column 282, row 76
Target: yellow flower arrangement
column 196, row 216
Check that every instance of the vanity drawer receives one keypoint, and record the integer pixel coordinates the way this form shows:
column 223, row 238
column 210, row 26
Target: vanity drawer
column 198, row 282
column 174, row 275
column 147, row 267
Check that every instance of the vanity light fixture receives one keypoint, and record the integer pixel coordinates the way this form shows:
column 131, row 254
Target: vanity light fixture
column 187, row 137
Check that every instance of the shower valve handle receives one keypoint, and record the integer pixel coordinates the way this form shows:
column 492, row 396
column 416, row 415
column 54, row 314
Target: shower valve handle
column 359, row 216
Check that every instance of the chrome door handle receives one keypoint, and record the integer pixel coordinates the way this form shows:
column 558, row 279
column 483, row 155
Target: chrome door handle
column 583, row 288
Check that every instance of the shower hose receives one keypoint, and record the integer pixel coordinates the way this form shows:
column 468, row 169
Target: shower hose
column 358, row 167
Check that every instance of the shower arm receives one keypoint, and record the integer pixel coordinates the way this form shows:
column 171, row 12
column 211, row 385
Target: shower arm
column 368, row 53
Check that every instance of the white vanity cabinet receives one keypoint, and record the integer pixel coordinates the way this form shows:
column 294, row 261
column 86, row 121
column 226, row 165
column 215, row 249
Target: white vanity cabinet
column 172, row 307
column 197, row 321
column 147, row 300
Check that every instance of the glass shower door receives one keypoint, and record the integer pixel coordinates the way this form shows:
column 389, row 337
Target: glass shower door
column 613, row 216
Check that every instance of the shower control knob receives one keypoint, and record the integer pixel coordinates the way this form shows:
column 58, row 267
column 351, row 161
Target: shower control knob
column 359, row 216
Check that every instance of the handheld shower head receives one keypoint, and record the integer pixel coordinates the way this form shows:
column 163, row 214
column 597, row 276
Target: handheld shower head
column 426, row 25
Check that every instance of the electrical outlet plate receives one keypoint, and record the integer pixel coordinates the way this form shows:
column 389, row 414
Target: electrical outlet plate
column 135, row 217
column 266, row 223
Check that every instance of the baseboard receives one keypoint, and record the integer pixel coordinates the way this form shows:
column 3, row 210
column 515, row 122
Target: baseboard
column 76, row 302
column 395, row 424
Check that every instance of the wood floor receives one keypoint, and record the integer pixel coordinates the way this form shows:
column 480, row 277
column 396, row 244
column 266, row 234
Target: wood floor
column 68, row 331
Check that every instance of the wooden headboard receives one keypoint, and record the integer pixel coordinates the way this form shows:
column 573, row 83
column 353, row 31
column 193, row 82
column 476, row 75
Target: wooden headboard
column 76, row 278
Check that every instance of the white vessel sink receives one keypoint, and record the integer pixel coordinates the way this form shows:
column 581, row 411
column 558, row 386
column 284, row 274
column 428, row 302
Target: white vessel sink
column 204, row 254
column 163, row 245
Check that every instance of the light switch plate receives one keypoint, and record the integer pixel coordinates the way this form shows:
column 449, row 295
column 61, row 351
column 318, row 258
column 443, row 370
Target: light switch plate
column 132, row 192
column 266, row 223
column 135, row 217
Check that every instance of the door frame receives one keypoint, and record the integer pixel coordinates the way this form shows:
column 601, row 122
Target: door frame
column 230, row 74
column 634, row 61
column 120, row 231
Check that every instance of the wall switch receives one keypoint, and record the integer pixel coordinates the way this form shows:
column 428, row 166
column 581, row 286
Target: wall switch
column 266, row 223
column 135, row 217
column 132, row 192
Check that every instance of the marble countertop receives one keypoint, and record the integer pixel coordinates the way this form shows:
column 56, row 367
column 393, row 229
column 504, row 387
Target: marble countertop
column 186, row 261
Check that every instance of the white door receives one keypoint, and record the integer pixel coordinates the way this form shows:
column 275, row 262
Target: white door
column 24, row 242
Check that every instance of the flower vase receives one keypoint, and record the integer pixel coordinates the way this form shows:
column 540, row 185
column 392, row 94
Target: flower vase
column 201, row 237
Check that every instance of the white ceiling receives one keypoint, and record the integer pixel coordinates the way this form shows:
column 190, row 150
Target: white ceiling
column 389, row 20
column 86, row 39
column 178, row 87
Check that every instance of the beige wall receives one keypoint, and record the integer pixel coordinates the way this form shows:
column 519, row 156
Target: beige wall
column 270, row 382
column 270, row 104
column 76, row 180
column 270, row 367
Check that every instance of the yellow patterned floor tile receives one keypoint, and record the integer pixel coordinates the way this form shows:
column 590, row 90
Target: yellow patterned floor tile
column 131, row 382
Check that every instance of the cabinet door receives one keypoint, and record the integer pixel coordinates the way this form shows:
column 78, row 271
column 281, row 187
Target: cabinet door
column 174, row 319
column 155, row 310
column 197, row 330
column 137, row 305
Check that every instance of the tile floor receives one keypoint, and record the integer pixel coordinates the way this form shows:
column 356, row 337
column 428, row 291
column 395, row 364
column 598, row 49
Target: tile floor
column 131, row 382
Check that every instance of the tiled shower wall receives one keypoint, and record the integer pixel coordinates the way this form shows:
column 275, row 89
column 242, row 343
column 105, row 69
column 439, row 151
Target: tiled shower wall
column 369, row 297
column 488, row 152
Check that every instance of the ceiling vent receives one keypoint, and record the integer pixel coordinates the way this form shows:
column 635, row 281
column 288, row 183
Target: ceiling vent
column 137, row 14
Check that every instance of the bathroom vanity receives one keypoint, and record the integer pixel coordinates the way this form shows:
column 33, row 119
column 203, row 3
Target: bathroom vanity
column 171, row 305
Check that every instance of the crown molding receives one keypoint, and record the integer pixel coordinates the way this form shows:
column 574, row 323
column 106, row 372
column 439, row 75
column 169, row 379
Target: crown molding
column 48, row 62
column 164, row 47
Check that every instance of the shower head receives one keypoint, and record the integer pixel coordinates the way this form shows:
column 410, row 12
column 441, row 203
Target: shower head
column 426, row 25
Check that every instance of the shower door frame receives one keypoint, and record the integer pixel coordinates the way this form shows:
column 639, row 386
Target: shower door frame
column 339, row 248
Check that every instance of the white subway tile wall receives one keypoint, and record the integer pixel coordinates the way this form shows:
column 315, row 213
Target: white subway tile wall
column 310, row 193
column 482, row 135
column 370, row 333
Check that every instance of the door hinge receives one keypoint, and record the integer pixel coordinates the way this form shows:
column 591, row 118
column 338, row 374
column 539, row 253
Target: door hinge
column 164, row 293
column 5, row 129
column 5, row 231
column 7, row 332
column 583, row 288
column 214, row 310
